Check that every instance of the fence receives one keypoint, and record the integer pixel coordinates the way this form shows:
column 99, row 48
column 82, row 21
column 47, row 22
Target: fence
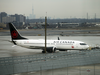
column 37, row 62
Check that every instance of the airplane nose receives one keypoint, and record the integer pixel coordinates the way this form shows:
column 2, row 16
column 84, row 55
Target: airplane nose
column 88, row 46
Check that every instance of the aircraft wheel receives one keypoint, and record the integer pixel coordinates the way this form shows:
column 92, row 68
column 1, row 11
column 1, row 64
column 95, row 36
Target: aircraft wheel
column 43, row 51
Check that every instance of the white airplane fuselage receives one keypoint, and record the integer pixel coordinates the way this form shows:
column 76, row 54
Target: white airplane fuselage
column 58, row 44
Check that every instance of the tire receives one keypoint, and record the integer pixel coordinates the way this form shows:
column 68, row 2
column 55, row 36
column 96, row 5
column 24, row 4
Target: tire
column 43, row 51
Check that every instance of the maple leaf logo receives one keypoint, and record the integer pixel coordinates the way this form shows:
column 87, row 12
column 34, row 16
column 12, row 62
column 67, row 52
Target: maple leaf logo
column 72, row 46
column 14, row 34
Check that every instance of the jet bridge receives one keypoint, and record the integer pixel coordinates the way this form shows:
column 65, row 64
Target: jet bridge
column 38, row 62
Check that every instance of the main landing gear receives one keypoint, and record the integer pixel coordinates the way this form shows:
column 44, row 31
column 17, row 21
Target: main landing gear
column 43, row 51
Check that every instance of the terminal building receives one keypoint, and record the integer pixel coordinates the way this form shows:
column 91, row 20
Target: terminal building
column 53, row 25
column 68, row 25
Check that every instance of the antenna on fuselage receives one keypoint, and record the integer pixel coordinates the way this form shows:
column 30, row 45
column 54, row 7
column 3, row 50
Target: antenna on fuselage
column 58, row 38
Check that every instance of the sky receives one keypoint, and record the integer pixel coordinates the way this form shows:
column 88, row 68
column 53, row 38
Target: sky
column 54, row 8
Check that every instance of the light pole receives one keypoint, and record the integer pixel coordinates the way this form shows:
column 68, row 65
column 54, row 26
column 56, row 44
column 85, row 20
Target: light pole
column 45, row 32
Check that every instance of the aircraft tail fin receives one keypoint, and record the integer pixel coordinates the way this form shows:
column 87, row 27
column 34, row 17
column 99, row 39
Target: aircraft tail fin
column 15, row 35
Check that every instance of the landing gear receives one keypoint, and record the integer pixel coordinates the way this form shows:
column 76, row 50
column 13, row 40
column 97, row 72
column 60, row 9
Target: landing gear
column 43, row 51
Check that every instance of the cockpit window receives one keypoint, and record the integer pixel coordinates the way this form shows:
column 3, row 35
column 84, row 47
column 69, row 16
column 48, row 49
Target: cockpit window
column 82, row 44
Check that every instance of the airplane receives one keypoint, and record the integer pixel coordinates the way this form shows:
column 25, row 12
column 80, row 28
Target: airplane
column 51, row 45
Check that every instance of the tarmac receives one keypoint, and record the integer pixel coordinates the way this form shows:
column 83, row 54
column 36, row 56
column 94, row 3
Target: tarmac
column 53, row 32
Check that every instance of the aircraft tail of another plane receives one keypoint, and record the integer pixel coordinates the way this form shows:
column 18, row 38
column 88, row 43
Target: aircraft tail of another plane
column 15, row 35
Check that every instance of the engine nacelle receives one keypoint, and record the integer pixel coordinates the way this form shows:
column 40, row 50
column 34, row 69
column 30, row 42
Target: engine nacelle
column 54, row 49
column 51, row 50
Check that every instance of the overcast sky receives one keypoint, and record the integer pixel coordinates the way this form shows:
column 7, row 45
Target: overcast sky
column 54, row 8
